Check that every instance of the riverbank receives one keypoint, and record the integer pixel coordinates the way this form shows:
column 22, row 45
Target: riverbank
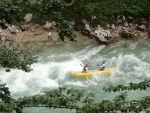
column 35, row 36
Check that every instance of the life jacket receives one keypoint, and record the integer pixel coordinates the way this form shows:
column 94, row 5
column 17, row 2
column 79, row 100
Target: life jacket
column 103, row 65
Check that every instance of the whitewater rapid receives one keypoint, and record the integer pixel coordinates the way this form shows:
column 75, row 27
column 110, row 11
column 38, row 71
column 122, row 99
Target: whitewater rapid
column 55, row 63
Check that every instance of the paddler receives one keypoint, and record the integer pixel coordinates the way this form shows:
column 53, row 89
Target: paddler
column 102, row 65
column 85, row 68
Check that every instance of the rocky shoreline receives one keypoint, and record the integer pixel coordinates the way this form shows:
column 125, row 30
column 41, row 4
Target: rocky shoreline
column 35, row 38
column 120, row 29
column 32, row 37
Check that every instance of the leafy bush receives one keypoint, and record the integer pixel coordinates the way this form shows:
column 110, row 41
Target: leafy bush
column 12, row 57
column 105, row 10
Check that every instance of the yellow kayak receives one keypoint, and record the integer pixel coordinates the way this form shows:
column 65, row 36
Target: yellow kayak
column 93, row 72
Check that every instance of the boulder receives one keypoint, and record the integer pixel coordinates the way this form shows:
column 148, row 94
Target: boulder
column 126, row 24
column 87, row 27
column 127, row 34
column 49, row 25
column 12, row 29
column 102, row 32
column 87, row 30
column 142, row 27
column 28, row 17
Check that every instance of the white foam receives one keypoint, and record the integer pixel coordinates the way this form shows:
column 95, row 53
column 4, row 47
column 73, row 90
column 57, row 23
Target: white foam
column 76, row 83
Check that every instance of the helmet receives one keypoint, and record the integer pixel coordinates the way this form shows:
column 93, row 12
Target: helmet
column 103, row 61
column 86, row 65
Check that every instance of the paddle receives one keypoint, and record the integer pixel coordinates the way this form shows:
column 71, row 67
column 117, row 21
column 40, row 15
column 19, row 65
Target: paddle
column 99, row 66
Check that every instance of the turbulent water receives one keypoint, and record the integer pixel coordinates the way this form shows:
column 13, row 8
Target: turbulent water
column 132, row 60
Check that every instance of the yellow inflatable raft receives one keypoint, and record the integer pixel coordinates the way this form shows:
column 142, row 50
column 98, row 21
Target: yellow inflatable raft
column 93, row 72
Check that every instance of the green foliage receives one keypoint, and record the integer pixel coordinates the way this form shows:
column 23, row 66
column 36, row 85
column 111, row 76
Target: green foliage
column 65, row 29
column 75, row 99
column 108, row 9
column 8, row 13
column 12, row 57
column 4, row 93
column 132, row 86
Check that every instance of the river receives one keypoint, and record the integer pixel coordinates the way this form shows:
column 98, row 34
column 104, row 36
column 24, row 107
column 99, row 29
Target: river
column 52, row 71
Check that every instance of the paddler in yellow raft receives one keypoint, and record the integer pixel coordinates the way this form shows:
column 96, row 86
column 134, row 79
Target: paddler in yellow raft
column 101, row 71
column 102, row 65
column 85, row 68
